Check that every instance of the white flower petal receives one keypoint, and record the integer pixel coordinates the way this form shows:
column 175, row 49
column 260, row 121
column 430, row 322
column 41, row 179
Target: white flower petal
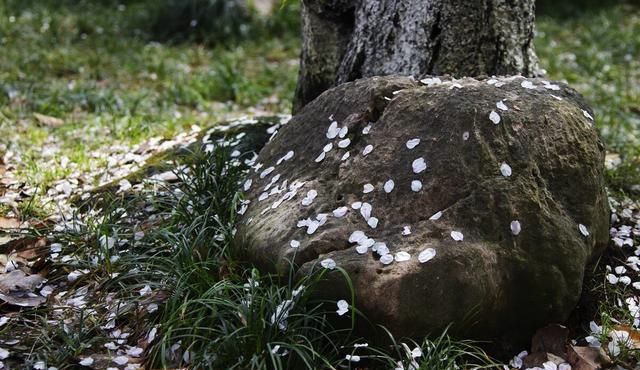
column 367, row 188
column 372, row 222
column 583, row 230
column 380, row 248
column 357, row 237
column 328, row 263
column 388, row 186
column 343, row 307
column 327, row 148
column 515, row 227
column 500, row 105
column 426, row 255
column 505, row 169
column 386, row 259
column 343, row 132
column 294, row 244
column 419, row 165
column 406, row 230
column 367, row 149
column 87, row 361
column 365, row 210
column 416, row 185
column 340, row 212
column 457, row 236
column 344, row 143
column 352, row 358
column 436, row 216
column 412, row 143
column 320, row 158
column 402, row 256
column 527, row 84
column 333, row 130
column 356, row 205
column 121, row 360
column 494, row 117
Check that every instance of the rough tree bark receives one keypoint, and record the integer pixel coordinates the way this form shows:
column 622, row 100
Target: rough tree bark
column 344, row 40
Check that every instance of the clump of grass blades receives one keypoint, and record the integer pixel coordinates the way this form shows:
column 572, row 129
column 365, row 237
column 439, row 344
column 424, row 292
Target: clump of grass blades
column 222, row 314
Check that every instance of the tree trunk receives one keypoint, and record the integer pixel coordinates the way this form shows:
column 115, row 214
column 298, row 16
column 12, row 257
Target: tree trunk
column 344, row 40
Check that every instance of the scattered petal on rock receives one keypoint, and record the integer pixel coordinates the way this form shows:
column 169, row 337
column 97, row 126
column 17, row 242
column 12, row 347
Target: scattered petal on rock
column 345, row 156
column 365, row 210
column 416, row 185
column 340, row 211
column 500, row 105
column 388, row 186
column 515, row 227
column 328, row 263
column 266, row 172
column 494, row 117
column 327, row 148
column 583, row 230
column 457, row 236
column 357, row 237
column 372, row 222
column 294, row 244
column 436, row 216
column 320, row 158
column 343, row 131
column 527, row 84
column 344, row 143
column 426, row 255
column 386, row 259
column 505, row 170
column 419, row 165
column 412, row 143
column 587, row 115
column 402, row 256
column 356, row 205
column 367, row 149
column 333, row 130
column 308, row 199
column 367, row 188
column 406, row 230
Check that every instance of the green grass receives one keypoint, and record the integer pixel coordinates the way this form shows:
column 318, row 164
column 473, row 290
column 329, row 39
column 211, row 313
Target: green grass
column 93, row 66
column 597, row 51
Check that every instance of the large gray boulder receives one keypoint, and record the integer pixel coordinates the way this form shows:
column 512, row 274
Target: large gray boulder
column 481, row 202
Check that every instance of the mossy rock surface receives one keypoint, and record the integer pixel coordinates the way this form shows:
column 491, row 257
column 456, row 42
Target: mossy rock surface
column 497, row 283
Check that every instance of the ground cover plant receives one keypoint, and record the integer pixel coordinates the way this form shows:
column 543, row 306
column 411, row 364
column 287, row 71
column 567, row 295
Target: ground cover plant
column 145, row 272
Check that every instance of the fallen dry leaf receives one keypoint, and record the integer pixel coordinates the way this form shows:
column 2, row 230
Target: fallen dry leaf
column 18, row 288
column 8, row 223
column 18, row 280
column 27, row 253
column 587, row 358
column 48, row 120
